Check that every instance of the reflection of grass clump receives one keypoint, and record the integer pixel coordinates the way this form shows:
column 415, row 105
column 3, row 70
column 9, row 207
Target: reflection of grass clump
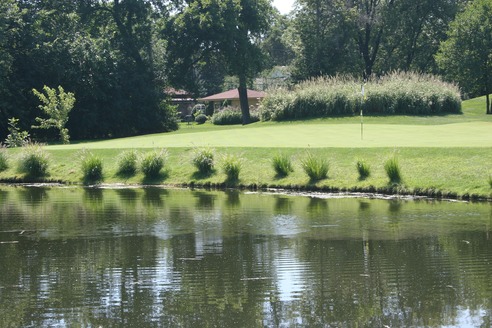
column 315, row 168
column 33, row 161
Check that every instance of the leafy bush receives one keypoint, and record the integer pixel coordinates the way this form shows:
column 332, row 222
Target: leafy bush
column 203, row 160
column 92, row 168
column 392, row 168
column 396, row 93
column 315, row 168
column 282, row 165
column 16, row 137
column 127, row 162
column 232, row 115
column 231, row 165
column 33, row 161
column 364, row 169
column 153, row 162
column 200, row 118
column 3, row 159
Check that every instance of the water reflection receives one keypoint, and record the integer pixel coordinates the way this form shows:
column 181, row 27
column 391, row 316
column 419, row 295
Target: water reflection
column 183, row 258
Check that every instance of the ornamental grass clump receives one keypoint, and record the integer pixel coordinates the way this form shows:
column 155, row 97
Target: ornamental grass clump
column 153, row 162
column 231, row 166
column 128, row 162
column 315, row 168
column 203, row 160
column 392, row 168
column 282, row 165
column 4, row 160
column 33, row 161
column 91, row 167
column 363, row 168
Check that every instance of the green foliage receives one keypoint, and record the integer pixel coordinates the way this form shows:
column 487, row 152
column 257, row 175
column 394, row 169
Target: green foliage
column 396, row 93
column 92, row 168
column 4, row 159
column 200, row 118
column 33, row 161
column 232, row 115
column 363, row 169
column 315, row 168
column 203, row 160
column 57, row 106
column 392, row 169
column 152, row 163
column 490, row 180
column 282, row 165
column 16, row 137
column 128, row 162
column 231, row 166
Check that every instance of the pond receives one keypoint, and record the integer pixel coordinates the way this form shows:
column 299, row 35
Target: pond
column 148, row 257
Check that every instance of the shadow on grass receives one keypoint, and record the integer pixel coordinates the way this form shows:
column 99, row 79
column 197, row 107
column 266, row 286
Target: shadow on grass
column 156, row 179
column 231, row 182
column 202, row 175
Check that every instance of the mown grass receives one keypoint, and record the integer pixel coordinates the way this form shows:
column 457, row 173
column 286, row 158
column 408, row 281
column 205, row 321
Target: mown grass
column 454, row 164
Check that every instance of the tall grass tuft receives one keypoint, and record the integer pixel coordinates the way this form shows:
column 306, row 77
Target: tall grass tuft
column 153, row 162
column 315, row 168
column 91, row 167
column 282, row 165
column 128, row 162
column 4, row 159
column 363, row 168
column 392, row 168
column 33, row 161
column 231, row 166
column 203, row 160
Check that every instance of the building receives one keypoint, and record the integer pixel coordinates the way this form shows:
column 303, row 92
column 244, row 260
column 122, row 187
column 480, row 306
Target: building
column 231, row 98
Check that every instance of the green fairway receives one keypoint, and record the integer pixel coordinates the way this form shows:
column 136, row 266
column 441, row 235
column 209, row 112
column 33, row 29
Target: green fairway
column 439, row 155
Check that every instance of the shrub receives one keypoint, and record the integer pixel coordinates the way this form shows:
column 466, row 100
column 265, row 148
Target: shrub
column 127, row 162
column 315, row 168
column 231, row 165
column 153, row 162
column 232, row 115
column 200, row 118
column 282, row 165
column 3, row 159
column 203, row 160
column 33, row 161
column 16, row 137
column 92, row 168
column 364, row 169
column 392, row 168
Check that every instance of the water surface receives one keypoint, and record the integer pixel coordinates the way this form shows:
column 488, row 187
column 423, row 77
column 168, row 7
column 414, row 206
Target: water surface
column 180, row 258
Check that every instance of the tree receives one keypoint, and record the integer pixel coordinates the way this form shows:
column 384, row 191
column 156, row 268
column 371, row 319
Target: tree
column 231, row 28
column 57, row 105
column 466, row 56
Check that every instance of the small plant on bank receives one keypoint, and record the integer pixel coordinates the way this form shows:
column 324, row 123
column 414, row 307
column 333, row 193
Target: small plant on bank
column 92, row 168
column 392, row 168
column 231, row 165
column 127, row 162
column 153, row 162
column 363, row 168
column 282, row 165
column 33, row 161
column 3, row 159
column 203, row 160
column 315, row 168
column 16, row 137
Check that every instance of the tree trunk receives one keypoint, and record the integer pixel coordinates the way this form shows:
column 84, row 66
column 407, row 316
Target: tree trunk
column 489, row 108
column 243, row 99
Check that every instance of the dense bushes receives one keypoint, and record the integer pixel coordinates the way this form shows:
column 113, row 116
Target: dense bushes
column 232, row 115
column 396, row 93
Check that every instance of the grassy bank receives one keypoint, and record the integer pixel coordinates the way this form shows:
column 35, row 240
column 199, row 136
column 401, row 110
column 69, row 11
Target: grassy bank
column 446, row 156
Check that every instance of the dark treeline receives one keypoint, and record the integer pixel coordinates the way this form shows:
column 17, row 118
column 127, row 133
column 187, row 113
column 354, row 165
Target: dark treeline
column 118, row 56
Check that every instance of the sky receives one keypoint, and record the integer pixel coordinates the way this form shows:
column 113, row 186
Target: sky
column 284, row 6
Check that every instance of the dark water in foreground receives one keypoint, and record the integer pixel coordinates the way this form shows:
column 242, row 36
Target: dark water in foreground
column 179, row 258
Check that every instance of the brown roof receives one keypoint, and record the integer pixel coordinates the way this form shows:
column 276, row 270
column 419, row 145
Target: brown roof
column 233, row 94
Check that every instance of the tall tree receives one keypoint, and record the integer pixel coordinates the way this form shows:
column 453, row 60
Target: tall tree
column 232, row 28
column 466, row 56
